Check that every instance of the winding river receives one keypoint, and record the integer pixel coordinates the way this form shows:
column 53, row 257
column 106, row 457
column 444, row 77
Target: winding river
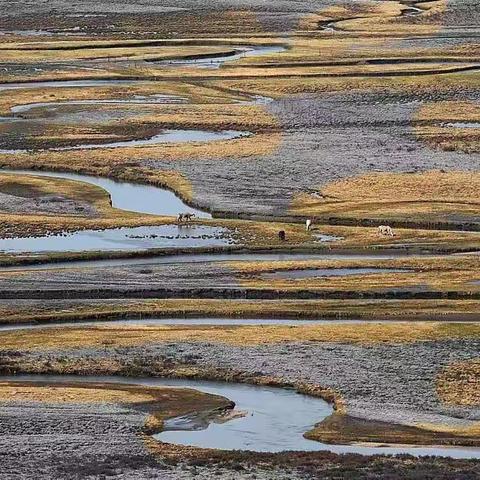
column 129, row 196
column 165, row 136
column 275, row 419
column 201, row 258
column 218, row 60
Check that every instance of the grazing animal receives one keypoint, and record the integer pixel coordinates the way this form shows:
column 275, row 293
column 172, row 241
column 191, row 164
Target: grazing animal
column 281, row 235
column 188, row 216
column 308, row 224
column 386, row 230
column 185, row 217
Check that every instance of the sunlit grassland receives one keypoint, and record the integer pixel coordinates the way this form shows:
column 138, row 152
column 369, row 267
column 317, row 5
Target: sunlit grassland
column 432, row 273
column 433, row 196
column 439, row 134
column 111, row 336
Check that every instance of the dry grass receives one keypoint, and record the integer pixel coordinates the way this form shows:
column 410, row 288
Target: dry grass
column 31, row 186
column 200, row 308
column 459, row 384
column 25, row 54
column 436, row 273
column 434, row 83
column 343, row 429
column 432, row 196
column 97, row 393
column 159, row 402
column 194, row 92
column 441, row 136
column 250, row 233
column 124, row 336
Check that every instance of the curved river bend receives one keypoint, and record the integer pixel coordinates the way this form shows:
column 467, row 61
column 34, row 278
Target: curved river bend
column 218, row 60
column 132, row 197
column 275, row 420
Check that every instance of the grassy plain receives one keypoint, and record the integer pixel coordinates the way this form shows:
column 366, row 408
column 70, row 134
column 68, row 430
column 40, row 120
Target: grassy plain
column 123, row 336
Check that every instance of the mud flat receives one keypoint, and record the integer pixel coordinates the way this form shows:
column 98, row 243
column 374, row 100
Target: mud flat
column 269, row 419
column 400, row 376
column 330, row 272
column 379, row 123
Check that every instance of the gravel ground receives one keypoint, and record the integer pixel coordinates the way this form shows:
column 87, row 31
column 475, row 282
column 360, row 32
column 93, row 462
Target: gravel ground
column 45, row 204
column 73, row 441
column 393, row 383
column 61, row 441
column 362, row 133
column 151, row 276
column 119, row 17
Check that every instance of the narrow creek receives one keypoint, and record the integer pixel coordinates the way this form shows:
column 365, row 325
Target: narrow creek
column 165, row 136
column 200, row 258
column 461, row 125
column 327, row 272
column 218, row 60
column 152, row 322
column 275, row 419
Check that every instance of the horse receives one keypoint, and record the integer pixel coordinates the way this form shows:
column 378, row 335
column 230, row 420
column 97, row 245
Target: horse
column 188, row 216
column 386, row 230
column 185, row 217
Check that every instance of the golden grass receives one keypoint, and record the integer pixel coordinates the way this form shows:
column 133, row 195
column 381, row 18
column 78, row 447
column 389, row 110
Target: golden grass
column 358, row 238
column 459, row 384
column 386, row 20
column 343, row 429
column 408, row 84
column 38, row 186
column 436, row 273
column 429, row 196
column 204, row 308
column 194, row 92
column 159, row 402
column 432, row 263
column 125, row 336
column 250, row 233
column 17, row 392
column 440, row 135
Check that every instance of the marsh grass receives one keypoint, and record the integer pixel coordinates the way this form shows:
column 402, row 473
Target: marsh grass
column 69, row 338
column 434, row 196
